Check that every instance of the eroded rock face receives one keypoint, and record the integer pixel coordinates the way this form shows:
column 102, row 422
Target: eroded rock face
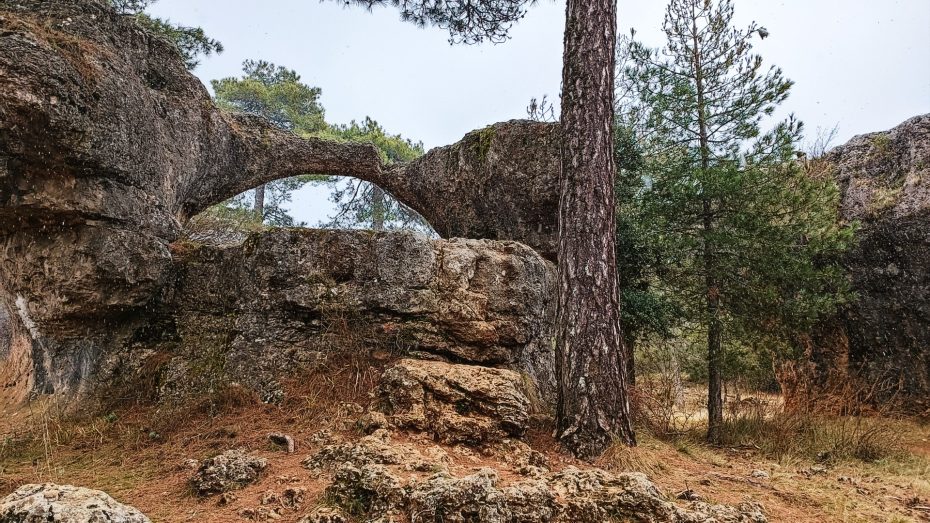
column 108, row 144
column 455, row 403
column 65, row 504
column 885, row 334
column 500, row 182
column 284, row 299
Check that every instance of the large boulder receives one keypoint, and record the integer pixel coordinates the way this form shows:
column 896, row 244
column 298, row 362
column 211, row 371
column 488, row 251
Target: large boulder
column 65, row 504
column 455, row 403
column 287, row 298
column 884, row 335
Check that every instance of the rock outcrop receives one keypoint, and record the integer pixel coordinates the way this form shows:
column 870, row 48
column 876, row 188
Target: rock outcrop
column 284, row 299
column 500, row 183
column 65, row 504
column 884, row 335
column 376, row 485
column 455, row 403
column 228, row 471
column 108, row 144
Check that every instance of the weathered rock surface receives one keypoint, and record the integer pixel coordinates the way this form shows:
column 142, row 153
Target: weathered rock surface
column 885, row 334
column 325, row 515
column 286, row 298
column 108, row 144
column 375, row 488
column 500, row 182
column 228, row 471
column 455, row 403
column 65, row 504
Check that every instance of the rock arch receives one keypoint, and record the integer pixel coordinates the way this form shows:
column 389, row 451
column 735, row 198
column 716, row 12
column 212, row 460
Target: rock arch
column 108, row 144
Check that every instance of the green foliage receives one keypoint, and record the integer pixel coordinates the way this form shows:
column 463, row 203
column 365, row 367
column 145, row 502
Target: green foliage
column 468, row 21
column 722, row 211
column 277, row 94
column 191, row 42
column 644, row 311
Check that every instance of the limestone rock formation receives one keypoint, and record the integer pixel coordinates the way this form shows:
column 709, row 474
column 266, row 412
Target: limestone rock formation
column 228, row 471
column 324, row 514
column 286, row 298
column 455, row 403
column 376, row 488
column 108, row 144
column 500, row 182
column 65, row 504
column 885, row 334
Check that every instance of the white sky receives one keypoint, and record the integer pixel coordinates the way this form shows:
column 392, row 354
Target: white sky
column 861, row 64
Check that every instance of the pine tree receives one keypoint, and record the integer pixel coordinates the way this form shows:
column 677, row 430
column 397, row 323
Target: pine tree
column 593, row 408
column 745, row 234
column 277, row 94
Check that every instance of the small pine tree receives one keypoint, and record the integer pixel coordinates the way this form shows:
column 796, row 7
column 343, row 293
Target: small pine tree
column 745, row 235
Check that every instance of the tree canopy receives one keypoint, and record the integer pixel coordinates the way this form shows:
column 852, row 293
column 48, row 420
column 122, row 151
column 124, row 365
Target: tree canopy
column 746, row 239
column 468, row 21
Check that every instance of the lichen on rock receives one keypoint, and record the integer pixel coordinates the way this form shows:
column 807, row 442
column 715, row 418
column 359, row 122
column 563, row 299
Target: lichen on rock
column 65, row 504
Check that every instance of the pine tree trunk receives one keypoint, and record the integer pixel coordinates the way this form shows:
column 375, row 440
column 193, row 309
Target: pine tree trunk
column 259, row 208
column 377, row 208
column 593, row 408
column 629, row 348
column 714, row 333
column 712, row 286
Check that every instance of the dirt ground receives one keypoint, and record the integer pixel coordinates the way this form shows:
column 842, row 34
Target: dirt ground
column 138, row 455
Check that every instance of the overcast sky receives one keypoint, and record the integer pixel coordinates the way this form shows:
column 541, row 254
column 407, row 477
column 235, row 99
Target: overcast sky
column 861, row 64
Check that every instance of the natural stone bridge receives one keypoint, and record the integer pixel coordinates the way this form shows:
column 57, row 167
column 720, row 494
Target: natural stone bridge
column 108, row 145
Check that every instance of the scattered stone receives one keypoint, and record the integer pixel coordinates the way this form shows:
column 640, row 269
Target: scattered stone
column 373, row 486
column 268, row 498
column 455, row 403
column 230, row 470
column 443, row 497
column 65, row 504
column 227, row 498
column 322, row 437
column 372, row 421
column 759, row 474
column 370, row 489
column 293, row 497
column 282, row 440
column 377, row 449
column 260, row 514
column 689, row 495
column 325, row 515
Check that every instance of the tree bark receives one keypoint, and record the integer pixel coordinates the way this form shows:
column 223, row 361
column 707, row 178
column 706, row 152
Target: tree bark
column 593, row 407
column 259, row 208
column 712, row 285
column 377, row 208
